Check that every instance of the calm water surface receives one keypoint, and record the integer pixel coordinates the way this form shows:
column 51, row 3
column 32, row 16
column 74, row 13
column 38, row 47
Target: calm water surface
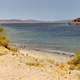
column 48, row 36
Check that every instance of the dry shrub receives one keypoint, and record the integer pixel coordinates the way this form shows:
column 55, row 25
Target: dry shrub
column 75, row 61
column 4, row 40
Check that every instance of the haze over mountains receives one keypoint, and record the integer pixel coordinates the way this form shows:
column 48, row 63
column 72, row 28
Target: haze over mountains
column 7, row 21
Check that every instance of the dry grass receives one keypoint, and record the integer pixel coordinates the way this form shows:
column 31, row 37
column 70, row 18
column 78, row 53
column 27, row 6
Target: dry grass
column 75, row 61
column 4, row 40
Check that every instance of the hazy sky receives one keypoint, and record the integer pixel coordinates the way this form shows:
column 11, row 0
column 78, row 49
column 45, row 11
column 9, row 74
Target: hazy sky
column 39, row 9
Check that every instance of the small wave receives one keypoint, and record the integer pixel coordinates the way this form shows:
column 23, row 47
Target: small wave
column 56, row 51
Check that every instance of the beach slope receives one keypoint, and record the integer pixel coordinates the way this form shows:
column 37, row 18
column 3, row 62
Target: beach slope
column 34, row 65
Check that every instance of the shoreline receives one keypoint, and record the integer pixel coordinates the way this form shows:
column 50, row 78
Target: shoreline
column 54, row 56
column 51, row 51
column 56, row 52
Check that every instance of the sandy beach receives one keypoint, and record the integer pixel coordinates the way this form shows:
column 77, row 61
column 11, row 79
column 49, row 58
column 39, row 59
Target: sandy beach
column 34, row 65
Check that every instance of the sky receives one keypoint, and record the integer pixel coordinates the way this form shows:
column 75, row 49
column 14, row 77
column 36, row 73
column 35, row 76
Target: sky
column 39, row 9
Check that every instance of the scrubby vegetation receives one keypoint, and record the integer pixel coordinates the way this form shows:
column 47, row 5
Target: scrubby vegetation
column 75, row 61
column 4, row 40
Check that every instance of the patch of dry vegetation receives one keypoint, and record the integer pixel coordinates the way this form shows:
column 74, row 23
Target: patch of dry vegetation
column 75, row 61
column 4, row 40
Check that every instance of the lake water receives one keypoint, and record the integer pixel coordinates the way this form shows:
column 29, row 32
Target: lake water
column 45, row 36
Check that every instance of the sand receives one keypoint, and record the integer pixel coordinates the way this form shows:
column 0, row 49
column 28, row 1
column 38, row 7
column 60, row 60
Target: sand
column 35, row 65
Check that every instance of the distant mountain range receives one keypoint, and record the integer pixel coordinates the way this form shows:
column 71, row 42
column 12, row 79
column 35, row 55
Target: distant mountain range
column 7, row 21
